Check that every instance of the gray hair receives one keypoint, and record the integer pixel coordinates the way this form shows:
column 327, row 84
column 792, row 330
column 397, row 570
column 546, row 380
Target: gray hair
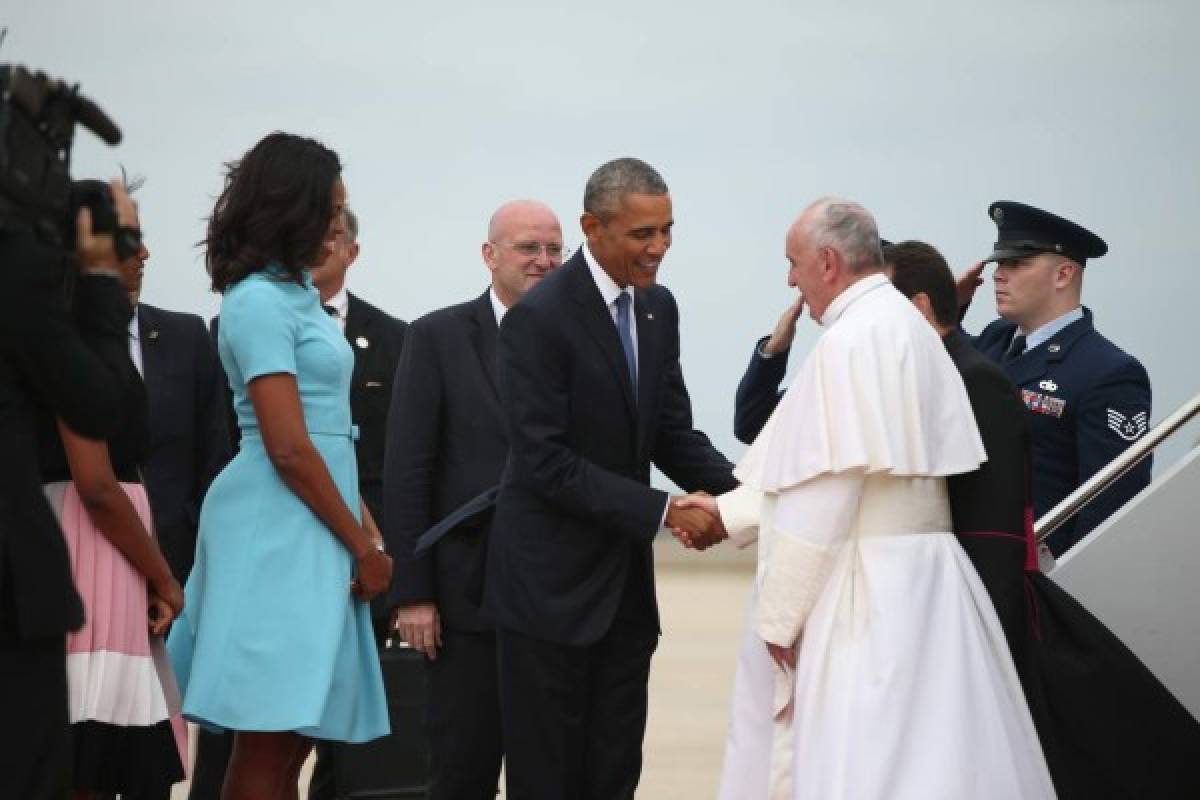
column 351, row 221
column 612, row 181
column 848, row 228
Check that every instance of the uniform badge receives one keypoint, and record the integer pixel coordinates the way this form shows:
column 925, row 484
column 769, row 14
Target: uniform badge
column 1048, row 385
column 1128, row 428
column 362, row 343
column 1039, row 403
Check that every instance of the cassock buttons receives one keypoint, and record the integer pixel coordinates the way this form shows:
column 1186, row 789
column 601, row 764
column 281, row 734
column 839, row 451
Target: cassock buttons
column 362, row 343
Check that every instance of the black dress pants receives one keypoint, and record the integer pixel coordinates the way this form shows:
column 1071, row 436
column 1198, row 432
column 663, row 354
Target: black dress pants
column 574, row 717
column 463, row 719
column 35, row 737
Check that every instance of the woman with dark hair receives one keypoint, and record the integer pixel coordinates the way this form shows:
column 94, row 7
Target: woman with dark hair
column 276, row 643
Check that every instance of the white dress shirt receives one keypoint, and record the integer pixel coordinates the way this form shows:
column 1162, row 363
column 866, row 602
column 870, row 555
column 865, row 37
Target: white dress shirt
column 340, row 303
column 135, row 341
column 498, row 307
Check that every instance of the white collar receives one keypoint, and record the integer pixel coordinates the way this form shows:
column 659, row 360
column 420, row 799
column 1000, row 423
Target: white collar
column 498, row 307
column 849, row 295
column 609, row 289
column 133, row 324
column 340, row 303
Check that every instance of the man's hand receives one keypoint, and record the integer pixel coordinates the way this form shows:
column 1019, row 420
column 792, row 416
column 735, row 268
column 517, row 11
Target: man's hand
column 695, row 521
column 785, row 329
column 968, row 282
column 419, row 625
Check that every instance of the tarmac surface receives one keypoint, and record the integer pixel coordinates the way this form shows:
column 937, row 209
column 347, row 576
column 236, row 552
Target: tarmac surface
column 702, row 598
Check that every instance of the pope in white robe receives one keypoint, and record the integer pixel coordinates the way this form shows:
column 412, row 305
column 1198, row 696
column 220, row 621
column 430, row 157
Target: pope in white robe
column 902, row 687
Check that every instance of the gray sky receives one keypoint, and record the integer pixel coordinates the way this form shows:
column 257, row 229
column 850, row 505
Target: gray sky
column 925, row 112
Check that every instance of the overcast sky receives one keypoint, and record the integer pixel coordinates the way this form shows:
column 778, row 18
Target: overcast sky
column 925, row 112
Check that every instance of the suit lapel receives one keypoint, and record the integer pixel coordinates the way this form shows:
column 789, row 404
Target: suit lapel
column 358, row 332
column 649, row 344
column 483, row 338
column 597, row 321
column 155, row 350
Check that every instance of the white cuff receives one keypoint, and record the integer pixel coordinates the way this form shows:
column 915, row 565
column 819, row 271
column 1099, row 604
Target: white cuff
column 796, row 574
column 741, row 510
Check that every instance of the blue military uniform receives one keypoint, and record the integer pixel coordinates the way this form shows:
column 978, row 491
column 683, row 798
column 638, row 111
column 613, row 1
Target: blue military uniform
column 1087, row 399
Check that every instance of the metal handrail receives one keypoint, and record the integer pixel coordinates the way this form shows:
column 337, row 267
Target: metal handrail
column 1127, row 460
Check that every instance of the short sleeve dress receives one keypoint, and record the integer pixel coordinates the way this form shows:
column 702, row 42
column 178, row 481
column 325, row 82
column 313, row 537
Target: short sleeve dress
column 271, row 638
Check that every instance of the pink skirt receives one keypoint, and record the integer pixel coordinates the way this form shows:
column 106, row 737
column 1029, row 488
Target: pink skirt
column 127, row 731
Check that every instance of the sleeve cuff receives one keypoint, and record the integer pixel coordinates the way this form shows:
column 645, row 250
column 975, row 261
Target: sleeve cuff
column 740, row 512
column 796, row 574
column 763, row 354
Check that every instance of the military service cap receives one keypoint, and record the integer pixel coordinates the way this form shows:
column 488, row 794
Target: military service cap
column 1023, row 230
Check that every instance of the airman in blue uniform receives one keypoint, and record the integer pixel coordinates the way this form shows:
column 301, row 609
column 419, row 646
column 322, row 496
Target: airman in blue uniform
column 1087, row 399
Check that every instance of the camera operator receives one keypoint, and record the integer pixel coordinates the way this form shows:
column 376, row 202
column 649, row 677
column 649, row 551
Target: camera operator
column 64, row 350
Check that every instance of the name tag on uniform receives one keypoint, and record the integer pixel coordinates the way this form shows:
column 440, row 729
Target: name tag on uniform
column 1040, row 403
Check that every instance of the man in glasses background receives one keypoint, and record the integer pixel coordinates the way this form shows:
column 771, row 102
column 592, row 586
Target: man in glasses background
column 446, row 445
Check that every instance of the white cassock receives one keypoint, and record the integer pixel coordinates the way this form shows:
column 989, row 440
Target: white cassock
column 904, row 688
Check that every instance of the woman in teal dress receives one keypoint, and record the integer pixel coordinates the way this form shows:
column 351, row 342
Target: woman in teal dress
column 276, row 643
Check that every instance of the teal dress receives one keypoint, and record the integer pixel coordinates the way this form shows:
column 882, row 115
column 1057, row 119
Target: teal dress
column 271, row 638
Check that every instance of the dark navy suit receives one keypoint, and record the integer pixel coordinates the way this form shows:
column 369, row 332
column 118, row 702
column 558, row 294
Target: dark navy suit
column 1087, row 401
column 758, row 392
column 570, row 571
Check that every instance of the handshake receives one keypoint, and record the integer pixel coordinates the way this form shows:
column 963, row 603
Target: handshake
column 695, row 521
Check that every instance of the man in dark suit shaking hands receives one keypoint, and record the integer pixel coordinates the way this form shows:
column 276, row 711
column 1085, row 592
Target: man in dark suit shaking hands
column 592, row 394
column 446, row 445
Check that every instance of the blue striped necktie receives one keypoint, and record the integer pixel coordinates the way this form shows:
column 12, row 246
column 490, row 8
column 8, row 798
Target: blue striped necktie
column 625, row 331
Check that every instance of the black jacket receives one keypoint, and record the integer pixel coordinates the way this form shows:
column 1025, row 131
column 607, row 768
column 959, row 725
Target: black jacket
column 575, row 506
column 377, row 339
column 189, row 438
column 446, row 444
column 73, row 362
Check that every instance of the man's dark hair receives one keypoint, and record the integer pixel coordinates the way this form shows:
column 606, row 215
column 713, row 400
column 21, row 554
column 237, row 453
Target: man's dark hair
column 612, row 181
column 918, row 267
column 275, row 209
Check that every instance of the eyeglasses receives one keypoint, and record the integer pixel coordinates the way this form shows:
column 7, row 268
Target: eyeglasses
column 533, row 249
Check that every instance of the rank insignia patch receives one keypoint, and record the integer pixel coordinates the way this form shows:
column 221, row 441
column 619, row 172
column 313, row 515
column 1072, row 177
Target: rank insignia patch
column 1039, row 403
column 1128, row 428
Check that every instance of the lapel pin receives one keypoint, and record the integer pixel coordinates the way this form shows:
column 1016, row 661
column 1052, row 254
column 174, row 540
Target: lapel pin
column 152, row 335
column 1054, row 348
column 362, row 343
column 649, row 315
